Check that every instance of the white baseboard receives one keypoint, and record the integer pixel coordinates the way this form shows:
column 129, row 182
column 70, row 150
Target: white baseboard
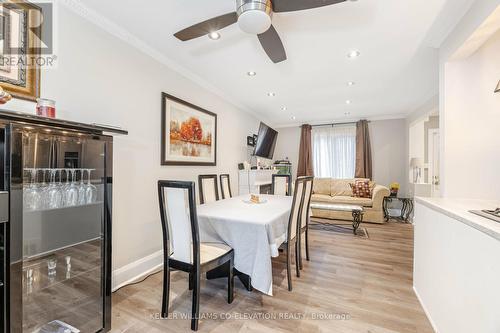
column 136, row 270
column 425, row 310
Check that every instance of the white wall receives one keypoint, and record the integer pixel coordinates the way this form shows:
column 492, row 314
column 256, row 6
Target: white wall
column 388, row 149
column 471, row 118
column 288, row 146
column 478, row 12
column 104, row 80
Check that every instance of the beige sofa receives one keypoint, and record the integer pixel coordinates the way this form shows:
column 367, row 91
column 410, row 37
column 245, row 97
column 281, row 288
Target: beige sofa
column 338, row 191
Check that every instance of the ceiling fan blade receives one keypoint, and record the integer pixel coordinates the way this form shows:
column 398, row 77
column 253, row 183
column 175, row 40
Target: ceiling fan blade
column 271, row 42
column 206, row 27
column 293, row 5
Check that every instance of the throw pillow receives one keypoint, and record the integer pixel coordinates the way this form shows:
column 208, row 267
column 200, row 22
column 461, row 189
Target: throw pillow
column 361, row 189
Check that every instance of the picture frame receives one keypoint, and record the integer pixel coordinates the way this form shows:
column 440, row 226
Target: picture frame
column 250, row 141
column 20, row 48
column 188, row 133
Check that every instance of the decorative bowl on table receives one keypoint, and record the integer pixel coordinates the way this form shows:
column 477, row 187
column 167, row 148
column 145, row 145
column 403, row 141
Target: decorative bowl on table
column 254, row 199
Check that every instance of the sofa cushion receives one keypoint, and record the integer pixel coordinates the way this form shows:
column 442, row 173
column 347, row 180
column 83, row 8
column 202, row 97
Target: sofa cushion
column 321, row 198
column 322, row 186
column 348, row 200
column 361, row 189
column 341, row 187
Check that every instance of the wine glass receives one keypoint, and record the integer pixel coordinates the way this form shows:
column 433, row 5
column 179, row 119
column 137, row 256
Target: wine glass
column 44, row 189
column 66, row 186
column 90, row 190
column 82, row 199
column 54, row 193
column 72, row 191
column 32, row 194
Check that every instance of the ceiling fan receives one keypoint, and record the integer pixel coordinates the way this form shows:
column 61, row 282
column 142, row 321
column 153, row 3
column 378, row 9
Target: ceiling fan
column 255, row 17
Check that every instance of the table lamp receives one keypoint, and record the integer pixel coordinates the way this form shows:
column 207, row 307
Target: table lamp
column 416, row 164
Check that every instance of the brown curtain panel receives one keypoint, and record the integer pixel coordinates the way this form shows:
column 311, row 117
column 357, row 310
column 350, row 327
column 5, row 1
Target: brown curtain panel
column 363, row 151
column 305, row 167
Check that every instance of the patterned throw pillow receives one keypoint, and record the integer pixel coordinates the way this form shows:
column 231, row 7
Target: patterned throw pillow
column 361, row 189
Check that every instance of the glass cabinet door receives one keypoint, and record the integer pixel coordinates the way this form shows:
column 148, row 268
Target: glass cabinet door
column 63, row 176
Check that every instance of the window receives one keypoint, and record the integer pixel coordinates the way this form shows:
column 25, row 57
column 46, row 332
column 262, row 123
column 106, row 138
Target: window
column 334, row 151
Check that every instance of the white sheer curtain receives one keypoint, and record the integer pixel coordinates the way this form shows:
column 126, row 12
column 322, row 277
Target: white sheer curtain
column 334, row 151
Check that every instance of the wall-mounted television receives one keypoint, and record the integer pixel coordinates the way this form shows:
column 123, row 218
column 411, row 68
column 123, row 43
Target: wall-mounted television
column 266, row 142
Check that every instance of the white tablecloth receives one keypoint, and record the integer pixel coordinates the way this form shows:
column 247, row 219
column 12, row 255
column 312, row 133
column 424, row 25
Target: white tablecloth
column 254, row 231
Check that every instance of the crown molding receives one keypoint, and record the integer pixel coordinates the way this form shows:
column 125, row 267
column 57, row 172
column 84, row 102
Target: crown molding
column 343, row 120
column 123, row 34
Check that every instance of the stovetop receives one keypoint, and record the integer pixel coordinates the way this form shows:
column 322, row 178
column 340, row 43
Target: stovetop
column 489, row 214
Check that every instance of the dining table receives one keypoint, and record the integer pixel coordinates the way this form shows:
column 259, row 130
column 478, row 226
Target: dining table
column 255, row 231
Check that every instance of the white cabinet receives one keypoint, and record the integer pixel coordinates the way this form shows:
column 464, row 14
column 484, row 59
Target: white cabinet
column 255, row 181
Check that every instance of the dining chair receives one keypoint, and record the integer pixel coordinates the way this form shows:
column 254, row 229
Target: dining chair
column 182, row 249
column 225, row 186
column 209, row 191
column 303, row 228
column 282, row 184
column 293, row 220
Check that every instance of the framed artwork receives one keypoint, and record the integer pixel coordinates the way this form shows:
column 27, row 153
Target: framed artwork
column 250, row 141
column 188, row 133
column 19, row 49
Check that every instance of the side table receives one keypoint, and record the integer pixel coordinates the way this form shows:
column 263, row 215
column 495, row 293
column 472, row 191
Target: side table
column 406, row 209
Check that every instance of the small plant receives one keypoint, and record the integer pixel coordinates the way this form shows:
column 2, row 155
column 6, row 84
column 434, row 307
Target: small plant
column 394, row 187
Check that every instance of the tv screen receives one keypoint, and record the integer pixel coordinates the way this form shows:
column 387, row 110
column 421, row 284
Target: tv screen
column 266, row 142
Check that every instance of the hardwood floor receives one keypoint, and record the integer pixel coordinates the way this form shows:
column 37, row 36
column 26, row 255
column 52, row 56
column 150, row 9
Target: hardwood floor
column 352, row 285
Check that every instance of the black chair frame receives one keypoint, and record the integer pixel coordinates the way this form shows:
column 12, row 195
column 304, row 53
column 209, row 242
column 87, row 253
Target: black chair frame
column 293, row 242
column 194, row 269
column 305, row 229
column 200, row 185
column 222, row 176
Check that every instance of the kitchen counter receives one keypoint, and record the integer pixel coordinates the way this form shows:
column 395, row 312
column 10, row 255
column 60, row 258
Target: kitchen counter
column 458, row 209
column 456, row 265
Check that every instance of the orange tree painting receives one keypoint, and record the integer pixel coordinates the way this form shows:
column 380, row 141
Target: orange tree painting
column 188, row 130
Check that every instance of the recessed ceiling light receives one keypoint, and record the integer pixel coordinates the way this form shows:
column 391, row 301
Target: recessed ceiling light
column 251, row 73
column 284, row 108
column 348, row 101
column 346, row 113
column 271, row 94
column 353, row 54
column 293, row 118
column 351, row 83
column 214, row 35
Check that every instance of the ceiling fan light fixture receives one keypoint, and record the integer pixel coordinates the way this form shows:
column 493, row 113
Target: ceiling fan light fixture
column 214, row 35
column 254, row 17
column 353, row 54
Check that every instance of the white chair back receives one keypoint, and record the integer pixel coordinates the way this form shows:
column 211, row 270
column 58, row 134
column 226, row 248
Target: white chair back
column 177, row 217
column 298, row 197
column 307, row 202
column 280, row 186
column 208, row 188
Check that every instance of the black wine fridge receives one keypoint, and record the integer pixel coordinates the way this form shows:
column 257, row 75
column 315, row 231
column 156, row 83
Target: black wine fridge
column 55, row 225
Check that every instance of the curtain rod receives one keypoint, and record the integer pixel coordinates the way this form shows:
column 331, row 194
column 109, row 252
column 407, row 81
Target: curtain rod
column 337, row 124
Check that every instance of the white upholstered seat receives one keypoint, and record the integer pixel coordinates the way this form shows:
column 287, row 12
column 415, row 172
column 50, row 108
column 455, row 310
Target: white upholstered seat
column 211, row 251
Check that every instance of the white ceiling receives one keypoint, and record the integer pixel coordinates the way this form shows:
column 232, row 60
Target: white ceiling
column 396, row 72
